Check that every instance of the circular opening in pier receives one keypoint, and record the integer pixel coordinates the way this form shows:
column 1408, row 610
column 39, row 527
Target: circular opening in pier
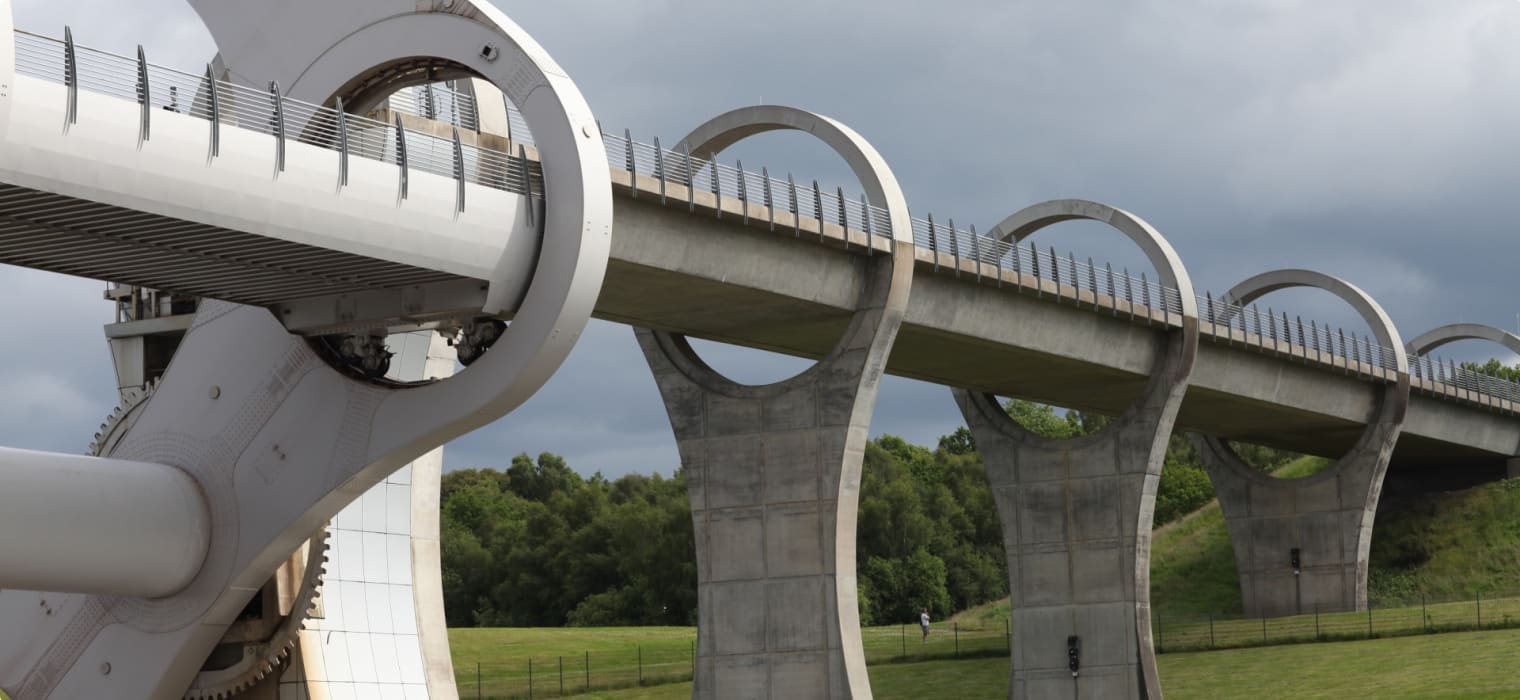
column 747, row 365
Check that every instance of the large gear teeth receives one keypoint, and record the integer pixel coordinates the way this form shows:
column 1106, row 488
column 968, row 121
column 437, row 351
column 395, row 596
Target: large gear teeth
column 261, row 659
column 115, row 426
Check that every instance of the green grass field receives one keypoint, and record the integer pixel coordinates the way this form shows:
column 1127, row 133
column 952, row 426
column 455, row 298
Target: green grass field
column 1456, row 665
column 495, row 662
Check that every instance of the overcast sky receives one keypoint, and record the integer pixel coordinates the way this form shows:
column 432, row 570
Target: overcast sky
column 1373, row 140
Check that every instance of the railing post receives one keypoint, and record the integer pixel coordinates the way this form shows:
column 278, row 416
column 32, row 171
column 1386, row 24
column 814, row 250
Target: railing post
column 1092, row 281
column 956, row 627
column 633, row 173
column 144, row 97
column 818, row 209
column 1055, row 272
column 743, row 194
column 530, row 678
column 691, row 179
column 401, row 155
column 717, row 190
column 342, row 145
column 1211, row 628
column 562, row 676
column 955, row 247
column 1480, row 609
column 641, row 664
column 459, row 179
column 588, row 670
column 214, row 103
column 865, row 209
column 997, row 249
column 478, row 692
column 792, row 205
column 770, row 201
column 844, row 216
column 527, row 182
column 659, row 169
column 1113, row 290
column 70, row 80
column 976, row 253
column 1129, row 293
column 934, row 241
column 277, row 126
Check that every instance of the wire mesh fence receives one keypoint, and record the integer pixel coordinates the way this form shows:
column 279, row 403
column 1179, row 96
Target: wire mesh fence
column 1383, row 618
column 662, row 661
column 550, row 676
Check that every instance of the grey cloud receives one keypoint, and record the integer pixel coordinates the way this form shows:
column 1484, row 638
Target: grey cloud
column 1369, row 139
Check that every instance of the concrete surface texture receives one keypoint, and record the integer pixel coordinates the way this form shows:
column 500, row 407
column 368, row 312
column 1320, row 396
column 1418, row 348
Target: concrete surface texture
column 774, row 471
column 1301, row 545
column 1076, row 514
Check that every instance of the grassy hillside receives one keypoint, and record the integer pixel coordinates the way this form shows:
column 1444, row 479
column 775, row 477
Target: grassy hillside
column 1449, row 545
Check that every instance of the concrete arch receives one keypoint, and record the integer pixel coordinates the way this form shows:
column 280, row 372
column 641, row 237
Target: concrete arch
column 1076, row 514
column 1436, row 337
column 1387, row 333
column 773, row 471
column 1177, row 362
column 894, row 274
column 1302, row 544
column 881, row 187
column 1395, row 400
column 1029, row 220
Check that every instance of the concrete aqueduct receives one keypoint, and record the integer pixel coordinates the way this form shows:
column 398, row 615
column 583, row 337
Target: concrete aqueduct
column 299, row 263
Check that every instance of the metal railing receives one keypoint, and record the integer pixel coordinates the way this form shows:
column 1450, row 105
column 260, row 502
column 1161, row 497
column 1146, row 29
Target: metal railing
column 1100, row 288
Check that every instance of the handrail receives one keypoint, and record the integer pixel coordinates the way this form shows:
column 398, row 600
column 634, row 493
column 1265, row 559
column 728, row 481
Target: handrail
column 217, row 101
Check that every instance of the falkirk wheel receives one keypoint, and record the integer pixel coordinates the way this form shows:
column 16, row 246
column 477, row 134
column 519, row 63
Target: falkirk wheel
column 183, row 557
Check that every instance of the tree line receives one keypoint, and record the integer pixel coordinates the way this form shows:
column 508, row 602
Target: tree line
column 539, row 545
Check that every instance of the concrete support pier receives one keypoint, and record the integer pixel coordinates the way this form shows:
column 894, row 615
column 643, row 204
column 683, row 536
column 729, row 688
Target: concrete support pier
column 774, row 471
column 1301, row 545
column 1076, row 514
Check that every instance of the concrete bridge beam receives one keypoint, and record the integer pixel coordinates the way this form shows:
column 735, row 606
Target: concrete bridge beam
column 774, row 471
column 1301, row 545
column 1076, row 514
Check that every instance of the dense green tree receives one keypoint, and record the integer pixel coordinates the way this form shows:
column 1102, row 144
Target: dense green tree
column 540, row 545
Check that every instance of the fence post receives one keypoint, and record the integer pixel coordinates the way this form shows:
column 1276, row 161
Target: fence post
column 1008, row 635
column 477, row 681
column 588, row 670
column 1160, row 635
column 1263, row 629
column 530, row 678
column 641, row 664
column 905, row 640
column 956, row 628
column 693, row 659
column 1369, row 619
column 562, row 676
column 1211, row 630
column 1480, row 609
column 1316, row 620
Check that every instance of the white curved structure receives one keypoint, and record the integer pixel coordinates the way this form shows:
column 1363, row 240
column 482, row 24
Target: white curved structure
column 276, row 438
column 129, row 503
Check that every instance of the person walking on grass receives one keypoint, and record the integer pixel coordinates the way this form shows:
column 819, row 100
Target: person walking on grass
column 923, row 623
